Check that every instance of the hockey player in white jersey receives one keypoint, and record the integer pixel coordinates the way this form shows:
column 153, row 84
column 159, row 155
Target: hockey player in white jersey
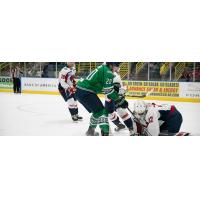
column 163, row 120
column 115, row 109
column 67, row 88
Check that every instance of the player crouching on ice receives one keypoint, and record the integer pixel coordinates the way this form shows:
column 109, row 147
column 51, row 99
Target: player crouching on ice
column 98, row 81
column 116, row 110
column 67, row 88
column 162, row 120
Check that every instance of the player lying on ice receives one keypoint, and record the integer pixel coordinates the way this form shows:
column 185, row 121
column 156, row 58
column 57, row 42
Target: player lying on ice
column 98, row 81
column 154, row 120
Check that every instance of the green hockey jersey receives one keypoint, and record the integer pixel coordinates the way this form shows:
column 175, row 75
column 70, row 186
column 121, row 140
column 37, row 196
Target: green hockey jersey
column 99, row 81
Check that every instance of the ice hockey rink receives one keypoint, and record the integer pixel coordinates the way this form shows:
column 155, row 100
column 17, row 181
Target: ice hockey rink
column 48, row 115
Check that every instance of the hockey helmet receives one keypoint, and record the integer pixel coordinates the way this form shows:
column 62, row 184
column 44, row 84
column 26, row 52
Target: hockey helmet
column 115, row 64
column 71, row 64
column 140, row 107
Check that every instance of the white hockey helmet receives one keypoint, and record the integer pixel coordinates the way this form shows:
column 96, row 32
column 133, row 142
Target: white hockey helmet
column 140, row 107
column 71, row 64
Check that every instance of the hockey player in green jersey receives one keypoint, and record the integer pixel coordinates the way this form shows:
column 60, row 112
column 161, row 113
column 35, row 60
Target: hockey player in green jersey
column 98, row 81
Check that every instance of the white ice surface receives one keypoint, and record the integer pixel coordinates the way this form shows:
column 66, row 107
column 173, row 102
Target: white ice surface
column 48, row 115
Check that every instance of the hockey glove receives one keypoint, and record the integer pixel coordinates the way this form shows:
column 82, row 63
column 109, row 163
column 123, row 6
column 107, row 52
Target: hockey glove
column 74, row 83
column 116, row 87
column 122, row 103
column 71, row 90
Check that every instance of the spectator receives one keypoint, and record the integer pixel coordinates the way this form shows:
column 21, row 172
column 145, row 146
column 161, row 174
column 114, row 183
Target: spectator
column 154, row 71
column 197, row 74
column 186, row 75
column 45, row 72
column 132, row 70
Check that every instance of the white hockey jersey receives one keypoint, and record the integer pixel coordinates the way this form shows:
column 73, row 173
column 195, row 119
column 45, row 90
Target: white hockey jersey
column 117, row 79
column 150, row 120
column 67, row 77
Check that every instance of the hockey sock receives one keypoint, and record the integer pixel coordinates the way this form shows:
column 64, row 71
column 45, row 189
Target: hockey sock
column 129, row 123
column 103, row 122
column 114, row 118
column 93, row 121
column 76, row 107
column 100, row 118
column 117, row 122
column 72, row 106
column 72, row 111
column 76, row 111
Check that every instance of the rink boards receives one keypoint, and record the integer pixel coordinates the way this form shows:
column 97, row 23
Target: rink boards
column 166, row 91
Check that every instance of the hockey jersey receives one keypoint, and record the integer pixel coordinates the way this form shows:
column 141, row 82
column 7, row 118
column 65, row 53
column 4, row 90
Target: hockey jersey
column 117, row 80
column 99, row 81
column 152, row 118
column 67, row 77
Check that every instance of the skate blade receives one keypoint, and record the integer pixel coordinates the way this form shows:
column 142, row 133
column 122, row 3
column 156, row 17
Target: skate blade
column 120, row 130
column 182, row 134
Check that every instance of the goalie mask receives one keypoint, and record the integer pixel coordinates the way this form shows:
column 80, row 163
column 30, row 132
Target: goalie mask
column 140, row 107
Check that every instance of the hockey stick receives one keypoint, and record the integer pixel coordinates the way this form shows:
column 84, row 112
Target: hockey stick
column 136, row 96
column 142, row 96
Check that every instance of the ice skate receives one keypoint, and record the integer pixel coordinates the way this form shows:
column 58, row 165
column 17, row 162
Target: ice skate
column 91, row 132
column 182, row 134
column 74, row 118
column 79, row 117
column 104, row 133
column 120, row 127
column 132, row 133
